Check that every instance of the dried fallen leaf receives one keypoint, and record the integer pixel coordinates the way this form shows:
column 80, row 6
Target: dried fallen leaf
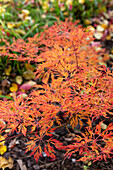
column 2, row 138
column 81, row 1
column 104, row 26
column 6, row 163
column 98, row 35
column 14, row 87
column 108, row 37
column 87, row 22
column 8, row 70
column 112, row 51
column 18, row 24
column 19, row 79
column 31, row 83
column 28, row 75
column 22, row 166
column 3, row 149
column 5, row 84
column 25, row 12
column 10, row 25
column 100, row 28
column 25, row 87
column 21, row 32
column 29, row 67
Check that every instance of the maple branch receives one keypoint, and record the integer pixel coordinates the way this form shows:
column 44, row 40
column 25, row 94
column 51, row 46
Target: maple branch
column 28, row 133
column 7, row 138
column 75, row 54
column 65, row 124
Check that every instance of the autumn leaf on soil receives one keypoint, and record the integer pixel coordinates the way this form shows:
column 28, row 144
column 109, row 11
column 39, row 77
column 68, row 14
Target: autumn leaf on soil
column 8, row 70
column 29, row 67
column 6, row 163
column 21, row 32
column 28, row 75
column 21, row 164
column 3, row 148
column 87, row 22
column 98, row 35
column 19, row 79
column 2, row 138
column 14, row 87
column 25, row 87
column 81, row 1
column 5, row 84
column 32, row 83
column 25, row 12
column 10, row 25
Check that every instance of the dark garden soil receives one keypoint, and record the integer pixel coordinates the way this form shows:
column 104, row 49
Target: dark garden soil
column 23, row 161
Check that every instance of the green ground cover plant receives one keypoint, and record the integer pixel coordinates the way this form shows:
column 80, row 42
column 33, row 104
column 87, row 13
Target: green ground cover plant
column 74, row 89
column 21, row 19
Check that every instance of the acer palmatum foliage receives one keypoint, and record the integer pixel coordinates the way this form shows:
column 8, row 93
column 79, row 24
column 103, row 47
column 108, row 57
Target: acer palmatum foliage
column 75, row 89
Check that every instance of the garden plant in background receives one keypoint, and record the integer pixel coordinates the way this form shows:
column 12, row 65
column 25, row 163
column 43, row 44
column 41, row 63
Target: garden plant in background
column 73, row 90
column 21, row 19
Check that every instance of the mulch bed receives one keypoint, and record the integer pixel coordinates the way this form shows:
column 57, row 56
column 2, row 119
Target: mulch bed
column 24, row 161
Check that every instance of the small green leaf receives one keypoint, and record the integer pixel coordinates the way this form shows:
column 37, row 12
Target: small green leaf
column 7, row 97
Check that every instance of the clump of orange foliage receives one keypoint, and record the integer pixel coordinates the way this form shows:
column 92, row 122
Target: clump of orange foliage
column 74, row 89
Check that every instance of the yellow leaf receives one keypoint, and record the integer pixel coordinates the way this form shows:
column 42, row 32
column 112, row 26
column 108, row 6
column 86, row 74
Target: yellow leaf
column 8, row 70
column 69, row 2
column 29, row 67
column 25, row 12
column 28, row 75
column 104, row 26
column 14, row 87
column 18, row 24
column 10, row 25
column 112, row 51
column 62, row 8
column 108, row 37
column 65, row 13
column 3, row 149
column 6, row 163
column 2, row 138
column 103, row 9
column 87, row 22
column 22, row 32
column 31, row 83
column 19, row 79
column 81, row 1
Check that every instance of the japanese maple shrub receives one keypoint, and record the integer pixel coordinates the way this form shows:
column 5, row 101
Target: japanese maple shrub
column 74, row 89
